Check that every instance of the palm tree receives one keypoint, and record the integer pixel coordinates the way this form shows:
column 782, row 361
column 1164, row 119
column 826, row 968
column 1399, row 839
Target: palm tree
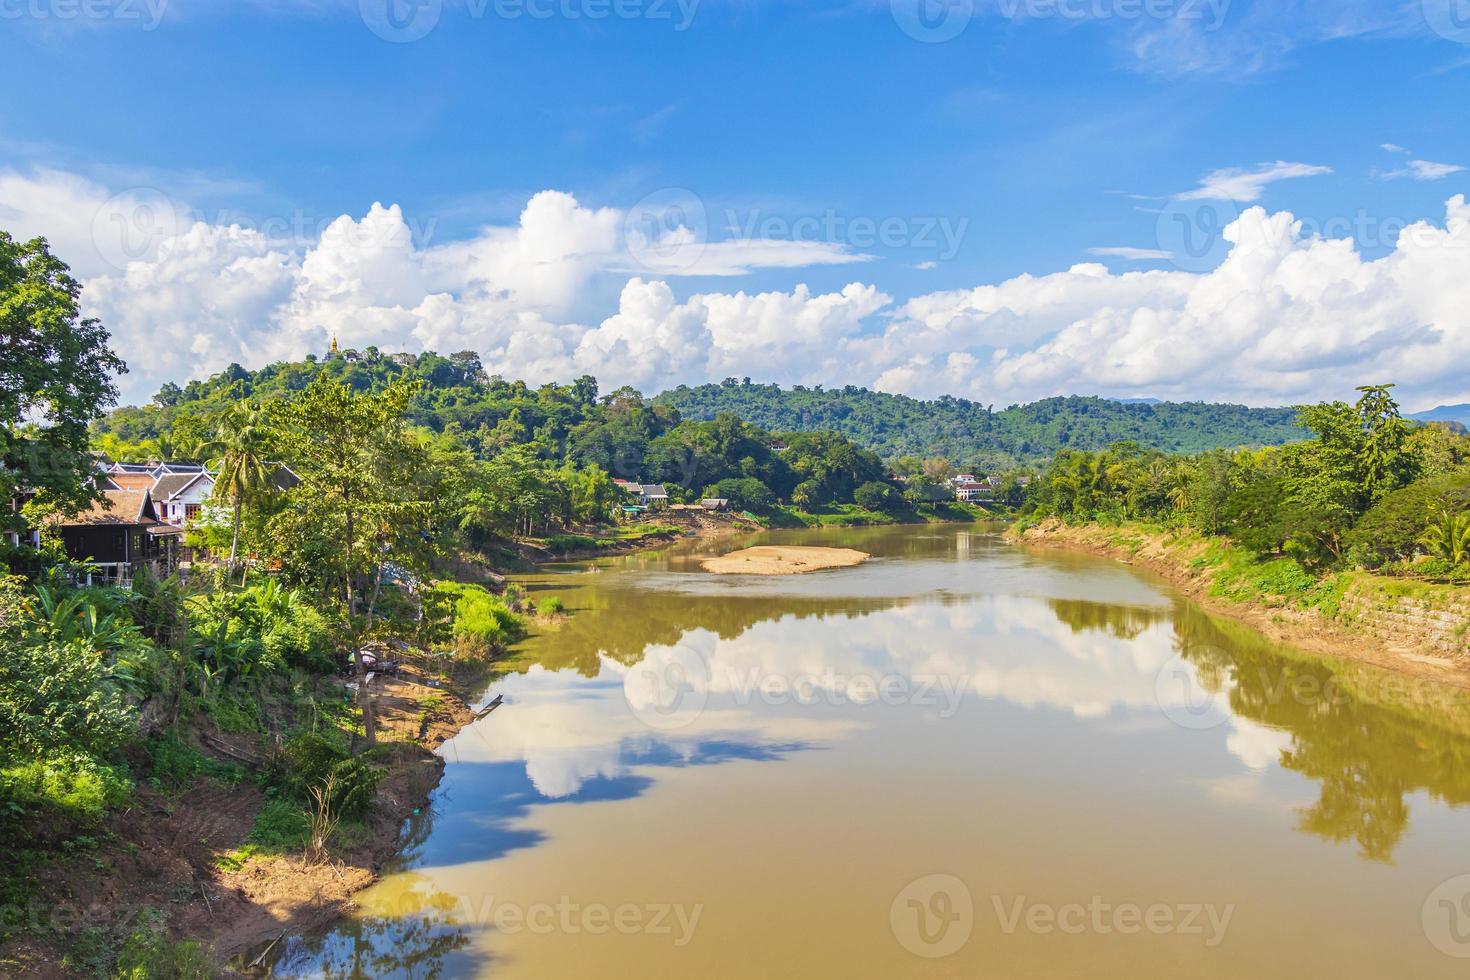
column 243, row 471
column 1448, row 537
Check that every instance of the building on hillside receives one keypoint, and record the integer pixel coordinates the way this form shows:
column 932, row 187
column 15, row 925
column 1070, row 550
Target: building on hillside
column 181, row 491
column 119, row 536
column 180, row 497
column 715, row 503
column 973, row 492
column 962, row 478
column 653, row 495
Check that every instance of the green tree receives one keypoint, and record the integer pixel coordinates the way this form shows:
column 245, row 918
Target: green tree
column 875, row 496
column 55, row 377
column 241, row 438
column 360, row 491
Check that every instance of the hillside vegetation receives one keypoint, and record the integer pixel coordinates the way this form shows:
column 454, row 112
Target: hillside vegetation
column 456, row 395
column 896, row 425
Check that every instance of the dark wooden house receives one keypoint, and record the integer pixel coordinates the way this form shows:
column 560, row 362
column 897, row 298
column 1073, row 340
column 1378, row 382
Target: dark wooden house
column 120, row 536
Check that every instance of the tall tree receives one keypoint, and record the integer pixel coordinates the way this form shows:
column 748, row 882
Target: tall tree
column 241, row 439
column 55, row 377
column 358, row 466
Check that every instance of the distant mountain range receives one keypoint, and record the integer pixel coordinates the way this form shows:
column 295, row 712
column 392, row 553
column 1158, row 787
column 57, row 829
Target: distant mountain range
column 973, row 434
column 1445, row 413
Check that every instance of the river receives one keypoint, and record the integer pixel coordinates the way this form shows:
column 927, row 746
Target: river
column 961, row 758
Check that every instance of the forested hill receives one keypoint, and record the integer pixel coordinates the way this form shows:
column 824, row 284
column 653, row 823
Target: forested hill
column 895, row 425
column 490, row 412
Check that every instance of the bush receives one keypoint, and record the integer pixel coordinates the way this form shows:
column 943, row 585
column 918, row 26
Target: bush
column 303, row 641
column 58, row 697
column 875, row 496
column 482, row 623
column 310, row 760
column 550, row 606
column 71, row 785
column 178, row 764
column 1392, row 528
column 149, row 954
column 281, row 825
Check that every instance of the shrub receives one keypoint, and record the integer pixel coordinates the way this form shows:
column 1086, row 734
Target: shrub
column 303, row 641
column 315, row 759
column 149, row 954
column 482, row 623
column 56, row 696
column 71, row 785
column 1391, row 528
column 550, row 606
column 178, row 764
column 281, row 825
column 875, row 496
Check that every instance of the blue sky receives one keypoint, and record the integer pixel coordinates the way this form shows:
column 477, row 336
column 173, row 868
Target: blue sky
column 1021, row 146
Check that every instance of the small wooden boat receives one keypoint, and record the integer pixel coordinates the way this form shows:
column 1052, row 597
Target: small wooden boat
column 499, row 699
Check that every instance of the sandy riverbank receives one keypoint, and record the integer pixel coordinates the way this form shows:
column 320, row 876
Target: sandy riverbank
column 783, row 560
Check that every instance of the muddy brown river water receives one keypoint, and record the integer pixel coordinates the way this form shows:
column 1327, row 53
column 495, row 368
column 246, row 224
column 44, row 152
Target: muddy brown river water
column 958, row 759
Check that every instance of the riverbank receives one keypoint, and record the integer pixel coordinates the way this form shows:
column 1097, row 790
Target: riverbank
column 202, row 869
column 665, row 527
column 1416, row 628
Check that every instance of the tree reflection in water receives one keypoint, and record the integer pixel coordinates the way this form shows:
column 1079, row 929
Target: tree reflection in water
column 1368, row 736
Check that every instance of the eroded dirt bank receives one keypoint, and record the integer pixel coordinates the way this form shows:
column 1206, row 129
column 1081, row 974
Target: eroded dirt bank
column 1414, row 628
